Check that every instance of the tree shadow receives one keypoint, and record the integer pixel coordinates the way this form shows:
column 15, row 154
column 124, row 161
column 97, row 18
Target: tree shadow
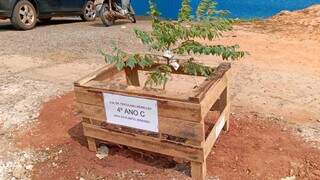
column 144, row 157
column 58, row 22
column 117, row 23
column 7, row 26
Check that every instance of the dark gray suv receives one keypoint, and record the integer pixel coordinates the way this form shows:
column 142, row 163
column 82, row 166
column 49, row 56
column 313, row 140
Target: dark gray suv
column 24, row 14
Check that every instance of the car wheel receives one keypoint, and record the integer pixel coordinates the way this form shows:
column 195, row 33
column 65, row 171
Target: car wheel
column 24, row 15
column 89, row 12
column 106, row 20
column 132, row 18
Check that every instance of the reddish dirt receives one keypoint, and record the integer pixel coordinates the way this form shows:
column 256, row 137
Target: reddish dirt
column 253, row 149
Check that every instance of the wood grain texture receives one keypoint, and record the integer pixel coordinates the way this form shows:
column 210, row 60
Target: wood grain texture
column 140, row 142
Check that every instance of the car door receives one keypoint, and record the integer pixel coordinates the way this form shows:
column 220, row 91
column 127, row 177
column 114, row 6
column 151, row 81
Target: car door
column 49, row 6
column 72, row 5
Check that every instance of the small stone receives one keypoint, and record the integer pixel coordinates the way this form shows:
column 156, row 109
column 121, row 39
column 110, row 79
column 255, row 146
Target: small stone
column 60, row 151
column 289, row 178
column 81, row 178
column 123, row 27
column 284, row 12
column 318, row 120
column 47, row 149
column 102, row 152
column 291, row 172
column 54, row 164
column 29, row 167
column 18, row 172
column 26, row 156
column 299, row 130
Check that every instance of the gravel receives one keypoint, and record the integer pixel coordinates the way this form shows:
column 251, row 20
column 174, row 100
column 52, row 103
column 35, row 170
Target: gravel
column 69, row 38
column 42, row 63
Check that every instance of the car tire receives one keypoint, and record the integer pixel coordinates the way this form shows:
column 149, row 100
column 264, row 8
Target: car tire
column 89, row 11
column 104, row 10
column 24, row 15
column 132, row 18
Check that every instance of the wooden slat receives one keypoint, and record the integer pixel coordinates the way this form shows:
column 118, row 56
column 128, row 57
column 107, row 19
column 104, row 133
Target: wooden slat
column 223, row 104
column 198, row 170
column 213, row 95
column 88, row 97
column 214, row 134
column 106, row 71
column 220, row 71
column 166, row 108
column 175, row 127
column 136, row 91
column 148, row 144
column 92, row 144
column 91, row 112
column 183, row 129
column 96, row 81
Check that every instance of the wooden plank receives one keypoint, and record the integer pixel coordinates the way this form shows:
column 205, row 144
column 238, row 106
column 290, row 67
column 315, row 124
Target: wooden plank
column 132, row 77
column 213, row 95
column 183, row 129
column 166, row 108
column 148, row 144
column 225, row 100
column 92, row 144
column 174, row 127
column 94, row 82
column 91, row 112
column 106, row 71
column 204, row 88
column 198, row 170
column 227, row 117
column 88, row 97
column 211, row 139
column 136, row 91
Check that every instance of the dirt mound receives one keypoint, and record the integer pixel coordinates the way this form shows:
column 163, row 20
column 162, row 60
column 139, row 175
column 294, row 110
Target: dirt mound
column 303, row 24
column 253, row 149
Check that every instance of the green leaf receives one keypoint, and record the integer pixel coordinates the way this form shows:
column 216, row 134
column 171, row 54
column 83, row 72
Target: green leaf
column 179, row 37
column 131, row 62
column 196, row 69
column 143, row 36
column 185, row 11
column 120, row 65
column 146, row 61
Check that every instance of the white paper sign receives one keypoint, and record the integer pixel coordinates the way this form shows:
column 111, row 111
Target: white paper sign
column 131, row 112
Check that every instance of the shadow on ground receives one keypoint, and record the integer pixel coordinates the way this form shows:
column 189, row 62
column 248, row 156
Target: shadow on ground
column 7, row 26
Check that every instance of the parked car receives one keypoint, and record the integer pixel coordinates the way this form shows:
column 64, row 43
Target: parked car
column 24, row 14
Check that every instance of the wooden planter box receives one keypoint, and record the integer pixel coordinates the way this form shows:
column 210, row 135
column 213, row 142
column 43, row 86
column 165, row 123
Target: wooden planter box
column 182, row 130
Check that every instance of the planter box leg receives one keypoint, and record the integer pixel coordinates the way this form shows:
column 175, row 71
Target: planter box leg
column 228, row 106
column 227, row 117
column 132, row 77
column 92, row 144
column 198, row 170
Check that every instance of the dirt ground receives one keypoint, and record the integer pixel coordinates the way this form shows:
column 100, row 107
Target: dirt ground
column 253, row 149
column 275, row 130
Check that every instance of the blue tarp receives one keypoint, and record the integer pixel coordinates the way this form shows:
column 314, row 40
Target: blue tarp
column 238, row 8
